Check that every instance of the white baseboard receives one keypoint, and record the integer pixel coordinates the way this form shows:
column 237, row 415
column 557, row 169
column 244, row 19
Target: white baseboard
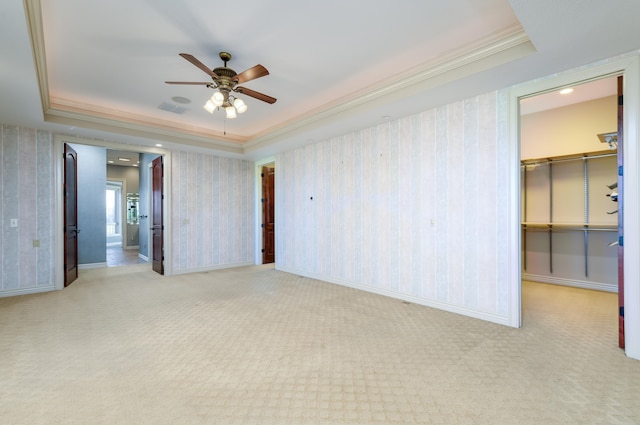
column 465, row 311
column 597, row 286
column 143, row 257
column 91, row 266
column 27, row 291
column 212, row 268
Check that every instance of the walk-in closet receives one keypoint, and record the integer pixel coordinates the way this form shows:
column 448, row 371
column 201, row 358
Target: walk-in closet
column 569, row 186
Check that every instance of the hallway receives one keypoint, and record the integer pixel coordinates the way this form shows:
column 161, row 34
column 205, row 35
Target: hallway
column 116, row 256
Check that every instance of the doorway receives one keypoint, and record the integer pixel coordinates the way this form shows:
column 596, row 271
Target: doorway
column 268, row 213
column 265, row 236
column 100, row 228
column 157, row 215
column 69, row 188
column 113, row 213
column 569, row 158
column 627, row 66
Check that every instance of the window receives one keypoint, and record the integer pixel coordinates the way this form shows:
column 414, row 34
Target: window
column 114, row 208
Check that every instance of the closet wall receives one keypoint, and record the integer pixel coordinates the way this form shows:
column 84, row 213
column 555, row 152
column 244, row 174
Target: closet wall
column 569, row 225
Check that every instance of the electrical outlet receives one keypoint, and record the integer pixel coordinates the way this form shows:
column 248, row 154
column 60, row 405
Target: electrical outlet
column 36, row 243
column 13, row 222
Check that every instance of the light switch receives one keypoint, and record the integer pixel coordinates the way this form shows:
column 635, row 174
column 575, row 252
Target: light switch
column 14, row 222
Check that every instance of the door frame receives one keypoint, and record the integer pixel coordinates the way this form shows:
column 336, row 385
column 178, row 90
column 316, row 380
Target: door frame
column 123, row 212
column 58, row 153
column 629, row 67
column 258, row 209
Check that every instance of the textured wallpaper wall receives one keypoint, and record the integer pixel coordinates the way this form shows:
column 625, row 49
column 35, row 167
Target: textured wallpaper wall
column 26, row 194
column 212, row 211
column 412, row 207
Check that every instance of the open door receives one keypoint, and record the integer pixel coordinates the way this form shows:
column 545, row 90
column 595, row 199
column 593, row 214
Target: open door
column 157, row 224
column 268, row 220
column 70, row 191
column 620, row 217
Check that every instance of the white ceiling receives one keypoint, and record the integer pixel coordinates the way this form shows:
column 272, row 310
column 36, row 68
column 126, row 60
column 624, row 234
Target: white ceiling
column 123, row 158
column 584, row 92
column 97, row 69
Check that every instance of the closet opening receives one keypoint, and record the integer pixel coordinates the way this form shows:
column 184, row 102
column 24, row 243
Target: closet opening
column 571, row 197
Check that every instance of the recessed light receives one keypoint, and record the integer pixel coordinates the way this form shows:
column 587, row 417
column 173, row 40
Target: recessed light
column 159, row 145
column 566, row 91
column 124, row 159
column 110, row 162
column 386, row 117
column 135, row 165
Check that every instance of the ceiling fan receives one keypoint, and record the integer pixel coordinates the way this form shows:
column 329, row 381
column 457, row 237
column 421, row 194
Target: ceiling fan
column 226, row 80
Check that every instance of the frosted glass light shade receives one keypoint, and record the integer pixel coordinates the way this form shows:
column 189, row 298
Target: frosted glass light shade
column 217, row 98
column 240, row 105
column 231, row 112
column 209, row 106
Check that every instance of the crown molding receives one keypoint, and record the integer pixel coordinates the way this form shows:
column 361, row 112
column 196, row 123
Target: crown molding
column 488, row 53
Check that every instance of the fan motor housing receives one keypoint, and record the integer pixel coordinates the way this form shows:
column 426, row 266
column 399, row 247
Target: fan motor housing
column 223, row 71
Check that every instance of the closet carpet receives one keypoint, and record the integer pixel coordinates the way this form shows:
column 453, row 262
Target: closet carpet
column 258, row 346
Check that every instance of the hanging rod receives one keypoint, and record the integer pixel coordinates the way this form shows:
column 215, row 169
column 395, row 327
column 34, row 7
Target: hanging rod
column 567, row 227
column 540, row 161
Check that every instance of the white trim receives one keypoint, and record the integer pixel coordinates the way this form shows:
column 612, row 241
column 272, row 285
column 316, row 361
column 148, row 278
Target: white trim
column 143, row 257
column 514, row 260
column 58, row 249
column 149, row 256
column 631, row 189
column 213, row 268
column 27, row 291
column 166, row 217
column 258, row 205
column 92, row 266
column 465, row 311
column 596, row 286
column 628, row 66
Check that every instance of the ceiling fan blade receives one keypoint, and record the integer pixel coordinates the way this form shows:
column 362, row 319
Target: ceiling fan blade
column 189, row 82
column 251, row 74
column 255, row 94
column 199, row 64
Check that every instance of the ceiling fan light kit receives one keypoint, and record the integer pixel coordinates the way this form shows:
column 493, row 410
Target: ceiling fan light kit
column 226, row 81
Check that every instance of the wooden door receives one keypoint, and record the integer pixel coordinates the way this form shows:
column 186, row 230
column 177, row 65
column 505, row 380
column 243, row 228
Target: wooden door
column 70, row 193
column 620, row 218
column 268, row 219
column 157, row 224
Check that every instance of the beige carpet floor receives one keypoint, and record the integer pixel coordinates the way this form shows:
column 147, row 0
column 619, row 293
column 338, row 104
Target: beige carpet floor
column 258, row 346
